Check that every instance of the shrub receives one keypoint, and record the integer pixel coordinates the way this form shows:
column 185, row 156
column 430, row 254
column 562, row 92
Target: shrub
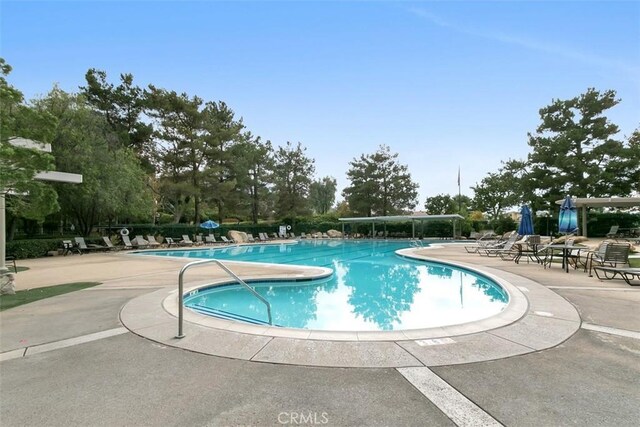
column 22, row 249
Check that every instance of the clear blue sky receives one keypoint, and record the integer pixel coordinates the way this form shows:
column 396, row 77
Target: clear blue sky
column 444, row 84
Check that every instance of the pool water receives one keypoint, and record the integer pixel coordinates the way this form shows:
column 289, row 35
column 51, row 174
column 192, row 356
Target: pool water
column 372, row 288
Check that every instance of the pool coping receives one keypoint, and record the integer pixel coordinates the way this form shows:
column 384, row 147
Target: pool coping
column 535, row 319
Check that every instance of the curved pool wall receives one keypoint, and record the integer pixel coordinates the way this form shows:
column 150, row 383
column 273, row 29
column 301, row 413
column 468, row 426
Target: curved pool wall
column 384, row 319
column 418, row 295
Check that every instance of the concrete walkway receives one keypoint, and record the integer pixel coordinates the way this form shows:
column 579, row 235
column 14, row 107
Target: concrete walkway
column 68, row 360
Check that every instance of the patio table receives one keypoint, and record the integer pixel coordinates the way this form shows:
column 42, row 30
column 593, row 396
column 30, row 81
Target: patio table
column 566, row 252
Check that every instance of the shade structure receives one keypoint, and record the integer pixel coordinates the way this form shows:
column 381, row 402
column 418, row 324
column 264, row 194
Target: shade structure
column 526, row 222
column 568, row 219
column 210, row 225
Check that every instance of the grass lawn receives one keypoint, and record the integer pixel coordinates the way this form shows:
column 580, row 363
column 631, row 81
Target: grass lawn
column 31, row 295
column 634, row 262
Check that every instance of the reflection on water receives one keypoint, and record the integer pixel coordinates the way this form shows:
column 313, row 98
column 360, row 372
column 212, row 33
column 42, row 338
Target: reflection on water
column 371, row 289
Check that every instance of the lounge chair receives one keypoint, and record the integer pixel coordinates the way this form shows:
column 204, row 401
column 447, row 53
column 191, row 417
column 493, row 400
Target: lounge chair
column 225, row 240
column 498, row 248
column 292, row 235
column 275, row 235
column 199, row 241
column 527, row 247
column 627, row 274
column 109, row 243
column 210, row 239
column 303, row 235
column 82, row 245
column 186, row 240
column 613, row 232
column 140, row 242
column 325, row 236
column 612, row 255
column 263, row 237
column 250, row 238
column 127, row 242
column 484, row 240
column 152, row 241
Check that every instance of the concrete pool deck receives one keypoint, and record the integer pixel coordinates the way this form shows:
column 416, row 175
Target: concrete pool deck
column 74, row 342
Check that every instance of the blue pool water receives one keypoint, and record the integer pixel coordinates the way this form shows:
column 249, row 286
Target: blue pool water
column 372, row 288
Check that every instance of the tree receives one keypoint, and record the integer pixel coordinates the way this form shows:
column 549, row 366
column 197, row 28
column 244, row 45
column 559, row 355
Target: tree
column 253, row 167
column 503, row 189
column 122, row 107
column 195, row 141
column 574, row 151
column 380, row 185
column 292, row 177
column 444, row 204
column 322, row 194
column 26, row 197
column 114, row 183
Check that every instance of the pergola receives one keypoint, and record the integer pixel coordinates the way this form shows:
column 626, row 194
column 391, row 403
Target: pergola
column 400, row 218
column 601, row 202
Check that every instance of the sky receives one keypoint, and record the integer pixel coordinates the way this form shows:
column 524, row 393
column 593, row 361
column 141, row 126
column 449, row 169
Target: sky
column 445, row 84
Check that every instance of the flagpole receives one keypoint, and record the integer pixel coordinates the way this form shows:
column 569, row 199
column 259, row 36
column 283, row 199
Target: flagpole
column 459, row 194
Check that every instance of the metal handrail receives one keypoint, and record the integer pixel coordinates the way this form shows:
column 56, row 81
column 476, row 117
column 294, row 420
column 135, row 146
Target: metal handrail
column 226, row 269
column 416, row 243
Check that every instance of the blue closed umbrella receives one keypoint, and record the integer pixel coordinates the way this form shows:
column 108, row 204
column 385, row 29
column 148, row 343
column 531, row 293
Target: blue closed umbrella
column 210, row 225
column 568, row 219
column 526, row 222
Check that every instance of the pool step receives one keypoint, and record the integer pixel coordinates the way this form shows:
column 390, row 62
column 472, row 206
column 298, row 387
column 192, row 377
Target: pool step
column 228, row 315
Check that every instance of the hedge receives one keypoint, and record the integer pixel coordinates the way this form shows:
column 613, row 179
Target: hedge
column 36, row 248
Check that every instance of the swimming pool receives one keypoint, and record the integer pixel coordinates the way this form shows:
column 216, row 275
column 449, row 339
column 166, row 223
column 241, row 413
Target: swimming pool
column 372, row 288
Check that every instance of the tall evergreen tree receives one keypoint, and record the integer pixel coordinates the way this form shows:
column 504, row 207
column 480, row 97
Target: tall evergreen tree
column 123, row 107
column 574, row 150
column 254, row 166
column 380, row 185
column 292, row 177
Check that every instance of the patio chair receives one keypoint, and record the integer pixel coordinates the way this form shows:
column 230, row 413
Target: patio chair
column 82, row 245
column 69, row 247
column 152, row 241
column 614, row 254
column 627, row 274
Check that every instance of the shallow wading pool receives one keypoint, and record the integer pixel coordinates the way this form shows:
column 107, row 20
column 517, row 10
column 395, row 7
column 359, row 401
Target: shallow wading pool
column 372, row 288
